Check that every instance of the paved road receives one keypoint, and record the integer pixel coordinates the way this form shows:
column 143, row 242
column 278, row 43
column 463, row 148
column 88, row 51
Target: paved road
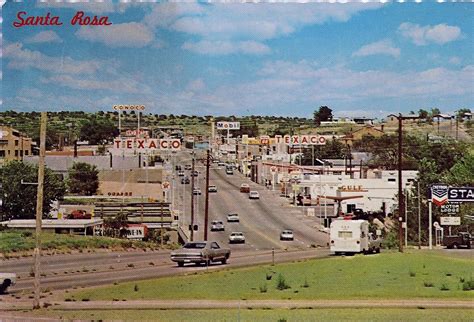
column 261, row 221
column 81, row 270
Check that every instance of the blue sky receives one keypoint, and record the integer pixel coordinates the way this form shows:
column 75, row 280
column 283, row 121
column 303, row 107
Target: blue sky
column 360, row 59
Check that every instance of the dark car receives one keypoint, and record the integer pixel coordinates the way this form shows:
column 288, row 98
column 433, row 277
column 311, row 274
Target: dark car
column 185, row 180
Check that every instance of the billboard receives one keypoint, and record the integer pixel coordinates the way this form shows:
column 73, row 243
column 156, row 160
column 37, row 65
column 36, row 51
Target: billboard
column 147, row 144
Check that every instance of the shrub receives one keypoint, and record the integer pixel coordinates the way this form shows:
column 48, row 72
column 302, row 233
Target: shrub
column 428, row 284
column 444, row 287
column 412, row 274
column 468, row 285
column 281, row 283
column 268, row 276
column 305, row 283
column 135, row 288
column 263, row 288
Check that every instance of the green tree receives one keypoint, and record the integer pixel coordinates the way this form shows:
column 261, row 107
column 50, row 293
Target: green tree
column 460, row 113
column 116, row 226
column 462, row 172
column 323, row 114
column 83, row 179
column 423, row 113
column 98, row 130
column 19, row 199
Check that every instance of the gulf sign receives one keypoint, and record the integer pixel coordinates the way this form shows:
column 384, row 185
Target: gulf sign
column 147, row 144
column 301, row 139
column 228, row 125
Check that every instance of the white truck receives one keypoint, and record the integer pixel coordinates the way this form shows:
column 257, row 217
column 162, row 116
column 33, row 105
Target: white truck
column 352, row 236
column 6, row 280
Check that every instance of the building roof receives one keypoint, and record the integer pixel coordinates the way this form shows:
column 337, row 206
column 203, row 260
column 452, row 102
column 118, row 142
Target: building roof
column 52, row 223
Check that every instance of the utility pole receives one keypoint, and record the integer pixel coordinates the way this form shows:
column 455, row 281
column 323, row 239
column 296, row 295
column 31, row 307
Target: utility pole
column 419, row 217
column 400, row 186
column 192, row 199
column 39, row 210
column 206, row 207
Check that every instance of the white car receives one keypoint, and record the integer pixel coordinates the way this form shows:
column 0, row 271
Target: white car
column 236, row 237
column 196, row 191
column 254, row 195
column 212, row 188
column 181, row 173
column 287, row 235
column 233, row 218
column 217, row 225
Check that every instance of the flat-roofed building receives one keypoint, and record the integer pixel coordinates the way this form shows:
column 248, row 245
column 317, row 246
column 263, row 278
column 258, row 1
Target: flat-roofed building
column 14, row 145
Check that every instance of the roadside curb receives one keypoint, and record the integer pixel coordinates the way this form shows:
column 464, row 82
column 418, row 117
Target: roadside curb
column 235, row 304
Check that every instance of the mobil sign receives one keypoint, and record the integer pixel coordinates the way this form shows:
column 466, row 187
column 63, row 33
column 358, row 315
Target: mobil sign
column 228, row 125
column 147, row 144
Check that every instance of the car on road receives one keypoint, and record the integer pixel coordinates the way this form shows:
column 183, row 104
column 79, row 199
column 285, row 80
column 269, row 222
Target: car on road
column 200, row 252
column 178, row 167
column 187, row 167
column 217, row 225
column 212, row 188
column 181, row 173
column 194, row 173
column 236, row 237
column 244, row 187
column 254, row 195
column 221, row 164
column 287, row 234
column 229, row 171
column 185, row 180
column 196, row 191
column 6, row 280
column 233, row 218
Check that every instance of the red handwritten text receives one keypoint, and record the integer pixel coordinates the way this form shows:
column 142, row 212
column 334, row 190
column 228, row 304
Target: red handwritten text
column 24, row 20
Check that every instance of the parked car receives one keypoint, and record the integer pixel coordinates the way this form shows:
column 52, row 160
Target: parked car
column 221, row 164
column 181, row 173
column 178, row 167
column 187, row 167
column 244, row 187
column 79, row 214
column 185, row 180
column 6, row 280
column 254, row 195
column 195, row 173
column 462, row 239
column 236, row 237
column 287, row 234
column 233, row 218
column 229, row 171
column 196, row 191
column 200, row 252
column 212, row 188
column 217, row 225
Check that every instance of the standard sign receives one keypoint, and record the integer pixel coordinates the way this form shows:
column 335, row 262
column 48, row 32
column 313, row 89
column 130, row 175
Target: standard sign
column 463, row 194
column 450, row 221
column 228, row 125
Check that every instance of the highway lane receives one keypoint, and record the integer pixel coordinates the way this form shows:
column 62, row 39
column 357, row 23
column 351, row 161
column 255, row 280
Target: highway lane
column 76, row 272
column 261, row 220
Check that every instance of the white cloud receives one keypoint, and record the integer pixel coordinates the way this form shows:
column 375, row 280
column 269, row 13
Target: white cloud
column 423, row 35
column 233, row 27
column 22, row 58
column 382, row 47
column 118, row 85
column 455, row 60
column 130, row 34
column 44, row 36
column 227, row 47
column 196, row 85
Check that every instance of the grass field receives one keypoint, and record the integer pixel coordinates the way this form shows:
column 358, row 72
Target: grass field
column 273, row 315
column 418, row 274
column 15, row 241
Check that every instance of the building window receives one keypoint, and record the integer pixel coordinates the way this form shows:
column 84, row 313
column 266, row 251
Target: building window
column 16, row 142
column 2, row 153
column 16, row 153
column 391, row 180
column 27, row 152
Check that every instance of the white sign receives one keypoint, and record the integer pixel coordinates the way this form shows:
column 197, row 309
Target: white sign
column 301, row 139
column 129, row 107
column 450, row 208
column 273, row 169
column 228, row 125
column 147, row 144
column 450, row 221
